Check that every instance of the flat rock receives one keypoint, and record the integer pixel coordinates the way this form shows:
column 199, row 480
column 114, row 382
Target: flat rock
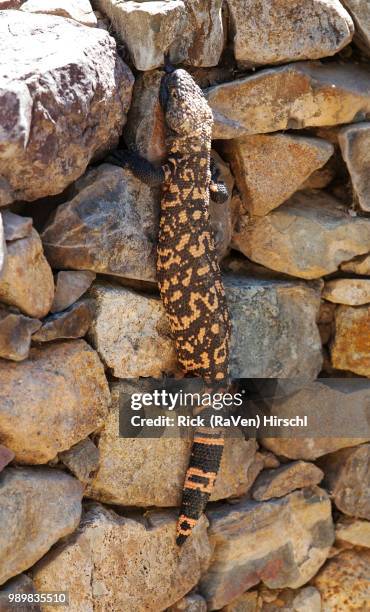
column 69, row 286
column 71, row 323
column 279, row 32
column 27, row 280
column 347, row 476
column 353, row 532
column 344, row 581
column 78, row 10
column 354, row 142
column 349, row 291
column 321, row 236
column 53, row 137
column 37, row 508
column 190, row 603
column 150, row 471
column 350, row 348
column 327, row 434
column 358, row 265
column 82, row 459
column 15, row 226
column 295, row 96
column 119, row 563
column 292, row 159
column 21, row 584
column 15, row 334
column 52, row 400
column 285, row 479
column 190, row 32
column 281, row 543
column 360, row 13
column 6, row 456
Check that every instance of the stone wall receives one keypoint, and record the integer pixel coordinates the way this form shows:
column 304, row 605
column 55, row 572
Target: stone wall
column 82, row 510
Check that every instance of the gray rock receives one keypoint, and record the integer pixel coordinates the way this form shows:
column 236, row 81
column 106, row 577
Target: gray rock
column 71, row 323
column 285, row 479
column 22, row 584
column 78, row 10
column 37, row 508
column 360, row 12
column 354, row 142
column 82, row 459
column 2, row 247
column 15, row 226
column 190, row 603
column 69, row 287
column 6, row 456
column 15, row 334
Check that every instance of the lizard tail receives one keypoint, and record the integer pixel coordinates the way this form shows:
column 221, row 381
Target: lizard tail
column 200, row 478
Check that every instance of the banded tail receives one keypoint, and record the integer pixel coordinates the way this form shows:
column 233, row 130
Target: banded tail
column 200, row 478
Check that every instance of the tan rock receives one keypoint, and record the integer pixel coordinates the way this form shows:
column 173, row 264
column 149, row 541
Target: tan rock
column 248, row 602
column 348, row 291
column 2, row 247
column 48, row 141
column 354, row 142
column 355, row 532
column 82, row 459
column 190, row 31
column 281, row 543
column 360, row 13
column 190, row 603
column 308, row 236
column 6, row 456
column 27, row 280
column 307, row 599
column 350, row 348
column 292, row 159
column 15, row 226
column 21, row 584
column 78, row 10
column 344, row 582
column 149, row 471
column 69, row 287
column 120, row 563
column 285, row 479
column 52, row 400
column 71, row 323
column 15, row 334
column 358, row 265
column 37, row 508
column 295, row 96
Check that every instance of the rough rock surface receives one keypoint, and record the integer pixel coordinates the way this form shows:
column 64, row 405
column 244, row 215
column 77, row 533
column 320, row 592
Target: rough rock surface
column 307, row 599
column 78, row 10
column 360, row 12
column 358, row 265
column 82, row 459
column 292, row 159
column 281, row 543
column 27, row 280
column 189, row 31
column 21, row 584
column 69, row 287
column 305, row 94
column 15, row 226
column 347, row 476
column 52, row 400
column 354, row 142
column 321, row 236
column 349, row 291
column 2, row 247
column 127, row 465
column 37, row 508
column 285, row 479
column 344, row 582
column 15, row 334
column 120, row 563
column 71, row 323
column 245, row 603
column 270, row 32
column 6, row 456
column 350, row 349
column 61, row 107
column 190, row 603
column 353, row 532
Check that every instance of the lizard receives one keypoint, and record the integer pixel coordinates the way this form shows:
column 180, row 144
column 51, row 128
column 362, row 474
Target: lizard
column 188, row 272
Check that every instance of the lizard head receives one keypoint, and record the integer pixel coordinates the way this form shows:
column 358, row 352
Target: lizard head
column 184, row 105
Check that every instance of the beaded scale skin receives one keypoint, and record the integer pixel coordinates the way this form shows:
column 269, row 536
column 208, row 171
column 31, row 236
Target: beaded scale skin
column 188, row 273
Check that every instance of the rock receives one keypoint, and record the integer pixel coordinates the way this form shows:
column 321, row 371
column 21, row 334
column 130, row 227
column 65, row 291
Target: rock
column 15, row 334
column 15, row 226
column 285, row 479
column 358, row 265
column 321, row 236
column 292, row 159
column 22, row 584
column 307, row 599
column 37, row 508
column 245, row 603
column 276, row 33
column 353, row 532
column 190, row 603
column 327, row 427
column 347, row 476
column 50, row 134
column 269, row 459
column 78, row 10
column 360, row 13
column 189, row 31
column 354, row 142
column 10, row 4
column 2, row 247
column 6, row 456
column 350, row 348
column 27, row 280
column 69, row 287
column 344, row 581
column 281, row 543
column 325, row 320
column 150, row 471
column 82, row 459
column 52, row 400
column 71, row 323
column 349, row 291
column 120, row 563
column 295, row 96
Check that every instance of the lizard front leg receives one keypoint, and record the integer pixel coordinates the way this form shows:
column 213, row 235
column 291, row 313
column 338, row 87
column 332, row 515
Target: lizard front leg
column 144, row 170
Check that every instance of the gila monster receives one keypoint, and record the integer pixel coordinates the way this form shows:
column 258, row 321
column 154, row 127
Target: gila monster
column 188, row 272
